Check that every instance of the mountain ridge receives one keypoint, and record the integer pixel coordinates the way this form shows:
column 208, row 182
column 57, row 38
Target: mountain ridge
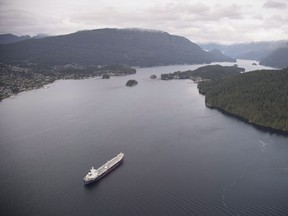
column 250, row 51
column 108, row 46
column 11, row 38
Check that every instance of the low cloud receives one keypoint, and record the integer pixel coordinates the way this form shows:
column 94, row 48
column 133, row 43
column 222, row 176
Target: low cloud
column 194, row 21
column 170, row 14
column 21, row 22
column 199, row 22
column 275, row 5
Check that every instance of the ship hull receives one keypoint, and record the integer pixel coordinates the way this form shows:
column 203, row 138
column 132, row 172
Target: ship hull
column 103, row 174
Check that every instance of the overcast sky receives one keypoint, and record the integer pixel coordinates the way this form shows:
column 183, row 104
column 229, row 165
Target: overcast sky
column 226, row 21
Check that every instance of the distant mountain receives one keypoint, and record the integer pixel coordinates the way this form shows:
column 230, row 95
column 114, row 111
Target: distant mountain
column 39, row 36
column 219, row 56
column 10, row 38
column 277, row 59
column 251, row 51
column 133, row 47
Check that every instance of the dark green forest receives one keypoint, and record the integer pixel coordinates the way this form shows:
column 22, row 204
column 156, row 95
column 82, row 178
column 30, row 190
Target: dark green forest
column 259, row 97
column 211, row 72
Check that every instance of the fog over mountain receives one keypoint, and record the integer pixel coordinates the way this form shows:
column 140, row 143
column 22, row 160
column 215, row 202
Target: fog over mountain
column 224, row 21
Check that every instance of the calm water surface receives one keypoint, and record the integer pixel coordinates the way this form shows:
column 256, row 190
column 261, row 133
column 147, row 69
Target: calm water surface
column 181, row 158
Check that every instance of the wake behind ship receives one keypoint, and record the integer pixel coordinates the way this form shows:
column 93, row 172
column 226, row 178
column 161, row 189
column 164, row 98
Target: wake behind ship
column 96, row 174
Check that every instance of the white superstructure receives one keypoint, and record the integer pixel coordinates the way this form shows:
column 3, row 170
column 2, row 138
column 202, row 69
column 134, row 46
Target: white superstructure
column 95, row 174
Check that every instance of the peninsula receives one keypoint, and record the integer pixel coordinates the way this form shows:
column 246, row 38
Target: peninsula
column 258, row 97
column 209, row 72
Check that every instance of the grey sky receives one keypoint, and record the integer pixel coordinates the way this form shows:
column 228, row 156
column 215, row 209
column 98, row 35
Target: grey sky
column 225, row 21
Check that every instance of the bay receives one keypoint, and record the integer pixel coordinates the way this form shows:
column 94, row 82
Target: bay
column 181, row 158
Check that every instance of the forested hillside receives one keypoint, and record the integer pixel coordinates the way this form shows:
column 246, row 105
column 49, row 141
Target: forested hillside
column 277, row 59
column 259, row 97
column 108, row 46
column 211, row 72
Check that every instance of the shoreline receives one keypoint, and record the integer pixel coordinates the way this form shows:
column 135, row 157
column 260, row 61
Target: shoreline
column 253, row 124
column 16, row 79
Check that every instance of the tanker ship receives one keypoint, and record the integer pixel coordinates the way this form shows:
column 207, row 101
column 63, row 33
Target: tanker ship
column 96, row 174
